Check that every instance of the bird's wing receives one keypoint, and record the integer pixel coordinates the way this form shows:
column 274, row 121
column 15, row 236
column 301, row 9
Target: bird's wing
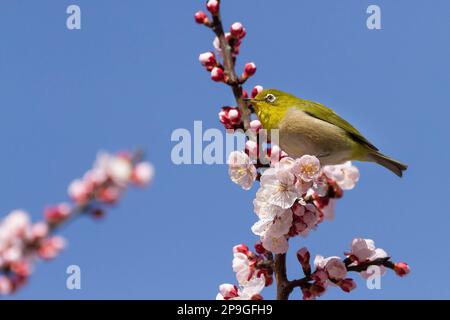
column 323, row 113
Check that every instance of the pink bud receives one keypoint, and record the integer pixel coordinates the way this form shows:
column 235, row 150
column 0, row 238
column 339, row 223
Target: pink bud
column 260, row 248
column 230, row 117
column 213, row 6
column 347, row 285
column 256, row 125
column 201, row 17
column 109, row 195
column 401, row 269
column 208, row 60
column 142, row 173
column 57, row 213
column 251, row 148
column 51, row 247
column 241, row 248
column 237, row 29
column 249, row 70
column 244, row 94
column 256, row 90
column 39, row 230
column 303, row 256
column 217, row 74
column 78, row 191
column 21, row 268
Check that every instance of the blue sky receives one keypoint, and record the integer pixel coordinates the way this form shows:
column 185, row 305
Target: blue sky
column 131, row 76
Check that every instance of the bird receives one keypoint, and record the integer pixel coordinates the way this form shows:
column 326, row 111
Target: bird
column 310, row 128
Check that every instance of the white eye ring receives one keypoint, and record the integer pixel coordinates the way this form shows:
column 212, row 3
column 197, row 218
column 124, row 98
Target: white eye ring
column 270, row 98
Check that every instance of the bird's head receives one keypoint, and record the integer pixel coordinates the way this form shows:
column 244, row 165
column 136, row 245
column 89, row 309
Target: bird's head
column 271, row 105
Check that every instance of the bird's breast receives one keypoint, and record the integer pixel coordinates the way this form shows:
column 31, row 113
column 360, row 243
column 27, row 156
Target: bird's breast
column 302, row 134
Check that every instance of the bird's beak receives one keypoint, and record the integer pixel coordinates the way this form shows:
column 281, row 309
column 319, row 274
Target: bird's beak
column 251, row 101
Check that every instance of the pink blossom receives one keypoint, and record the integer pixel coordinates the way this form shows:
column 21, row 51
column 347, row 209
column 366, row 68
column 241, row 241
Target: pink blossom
column 78, row 191
column 334, row 266
column 227, row 291
column 242, row 267
column 276, row 227
column 280, row 183
column 51, row 247
column 275, row 244
column 307, row 168
column 346, row 175
column 241, row 169
column 143, row 173
column 58, row 213
column 6, row 286
column 364, row 250
column 306, row 218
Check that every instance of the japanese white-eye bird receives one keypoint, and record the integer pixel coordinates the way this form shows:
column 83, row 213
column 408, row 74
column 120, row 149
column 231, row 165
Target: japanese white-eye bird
column 307, row 127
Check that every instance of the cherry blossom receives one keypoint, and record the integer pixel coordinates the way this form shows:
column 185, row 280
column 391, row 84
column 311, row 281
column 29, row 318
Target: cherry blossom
column 334, row 267
column 307, row 168
column 281, row 185
column 23, row 243
column 241, row 169
column 345, row 175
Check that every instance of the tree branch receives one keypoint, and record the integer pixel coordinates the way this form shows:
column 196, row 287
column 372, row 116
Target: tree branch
column 229, row 68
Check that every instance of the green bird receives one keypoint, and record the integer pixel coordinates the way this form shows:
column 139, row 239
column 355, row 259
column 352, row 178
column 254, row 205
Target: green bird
column 307, row 127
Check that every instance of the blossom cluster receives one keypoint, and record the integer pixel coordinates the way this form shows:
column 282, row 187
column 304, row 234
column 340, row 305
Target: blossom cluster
column 254, row 269
column 253, row 273
column 23, row 243
column 294, row 197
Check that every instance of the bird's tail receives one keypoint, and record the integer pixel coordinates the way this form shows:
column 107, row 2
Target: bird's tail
column 391, row 164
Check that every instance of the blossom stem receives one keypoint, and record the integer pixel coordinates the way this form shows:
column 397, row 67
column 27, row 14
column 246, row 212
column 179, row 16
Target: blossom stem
column 229, row 68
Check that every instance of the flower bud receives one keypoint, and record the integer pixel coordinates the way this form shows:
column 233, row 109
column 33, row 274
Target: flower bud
column 217, row 74
column 208, row 60
column 347, row 285
column 213, row 7
column 251, row 148
column 237, row 29
column 401, row 269
column 230, row 117
column 303, row 257
column 142, row 173
column 256, row 90
column 201, row 17
column 58, row 213
column 249, row 70
column 256, row 125
column 241, row 248
column 259, row 248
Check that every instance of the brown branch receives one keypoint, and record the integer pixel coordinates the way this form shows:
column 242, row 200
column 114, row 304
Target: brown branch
column 229, row 68
column 289, row 286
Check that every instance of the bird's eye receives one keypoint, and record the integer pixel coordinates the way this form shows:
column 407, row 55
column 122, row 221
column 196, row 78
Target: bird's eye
column 270, row 98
